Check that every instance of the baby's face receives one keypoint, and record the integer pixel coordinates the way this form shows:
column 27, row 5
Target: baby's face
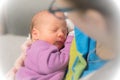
column 54, row 31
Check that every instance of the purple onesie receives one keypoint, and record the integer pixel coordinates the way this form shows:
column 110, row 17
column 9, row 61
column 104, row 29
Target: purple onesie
column 45, row 62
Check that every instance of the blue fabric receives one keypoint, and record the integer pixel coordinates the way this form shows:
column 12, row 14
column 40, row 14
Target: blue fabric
column 86, row 46
column 82, row 41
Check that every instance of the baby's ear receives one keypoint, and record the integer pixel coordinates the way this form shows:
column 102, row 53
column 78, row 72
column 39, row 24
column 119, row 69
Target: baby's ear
column 35, row 34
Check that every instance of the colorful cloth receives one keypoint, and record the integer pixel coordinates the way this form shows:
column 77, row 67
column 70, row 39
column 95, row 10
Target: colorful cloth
column 83, row 58
column 76, row 64
column 87, row 47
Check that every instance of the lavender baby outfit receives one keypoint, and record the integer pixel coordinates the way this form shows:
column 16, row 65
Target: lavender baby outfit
column 45, row 62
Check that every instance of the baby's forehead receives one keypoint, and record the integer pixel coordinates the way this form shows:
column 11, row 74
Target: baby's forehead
column 45, row 17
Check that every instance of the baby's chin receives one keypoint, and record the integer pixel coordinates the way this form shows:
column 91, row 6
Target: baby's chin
column 58, row 45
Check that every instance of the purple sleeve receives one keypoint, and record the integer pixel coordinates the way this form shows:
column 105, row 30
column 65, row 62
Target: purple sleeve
column 60, row 59
column 47, row 57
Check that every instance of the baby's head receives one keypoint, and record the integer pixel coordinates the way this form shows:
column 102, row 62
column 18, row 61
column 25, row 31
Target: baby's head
column 49, row 28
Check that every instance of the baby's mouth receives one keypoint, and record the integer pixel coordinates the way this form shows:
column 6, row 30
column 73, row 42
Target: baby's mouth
column 59, row 43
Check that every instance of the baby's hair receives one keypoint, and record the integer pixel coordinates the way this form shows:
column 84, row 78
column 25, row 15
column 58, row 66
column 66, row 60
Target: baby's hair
column 32, row 25
column 37, row 19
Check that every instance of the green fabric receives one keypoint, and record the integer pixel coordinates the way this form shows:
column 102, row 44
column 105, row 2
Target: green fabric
column 76, row 63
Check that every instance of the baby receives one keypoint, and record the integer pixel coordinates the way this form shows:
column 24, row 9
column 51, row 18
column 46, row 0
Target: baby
column 47, row 57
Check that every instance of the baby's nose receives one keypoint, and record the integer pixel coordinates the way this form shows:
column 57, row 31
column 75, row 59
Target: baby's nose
column 61, row 34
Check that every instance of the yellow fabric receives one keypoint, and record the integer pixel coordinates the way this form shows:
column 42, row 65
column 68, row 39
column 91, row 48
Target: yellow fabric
column 76, row 63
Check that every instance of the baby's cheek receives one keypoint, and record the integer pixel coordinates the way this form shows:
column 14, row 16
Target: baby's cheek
column 50, row 41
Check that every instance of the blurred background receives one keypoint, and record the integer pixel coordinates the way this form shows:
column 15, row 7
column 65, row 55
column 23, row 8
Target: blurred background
column 15, row 19
column 15, row 15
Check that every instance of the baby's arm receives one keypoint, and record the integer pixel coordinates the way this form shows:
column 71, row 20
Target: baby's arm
column 47, row 57
column 59, row 60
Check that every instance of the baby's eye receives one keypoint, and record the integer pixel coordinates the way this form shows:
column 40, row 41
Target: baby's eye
column 65, row 31
column 54, row 30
